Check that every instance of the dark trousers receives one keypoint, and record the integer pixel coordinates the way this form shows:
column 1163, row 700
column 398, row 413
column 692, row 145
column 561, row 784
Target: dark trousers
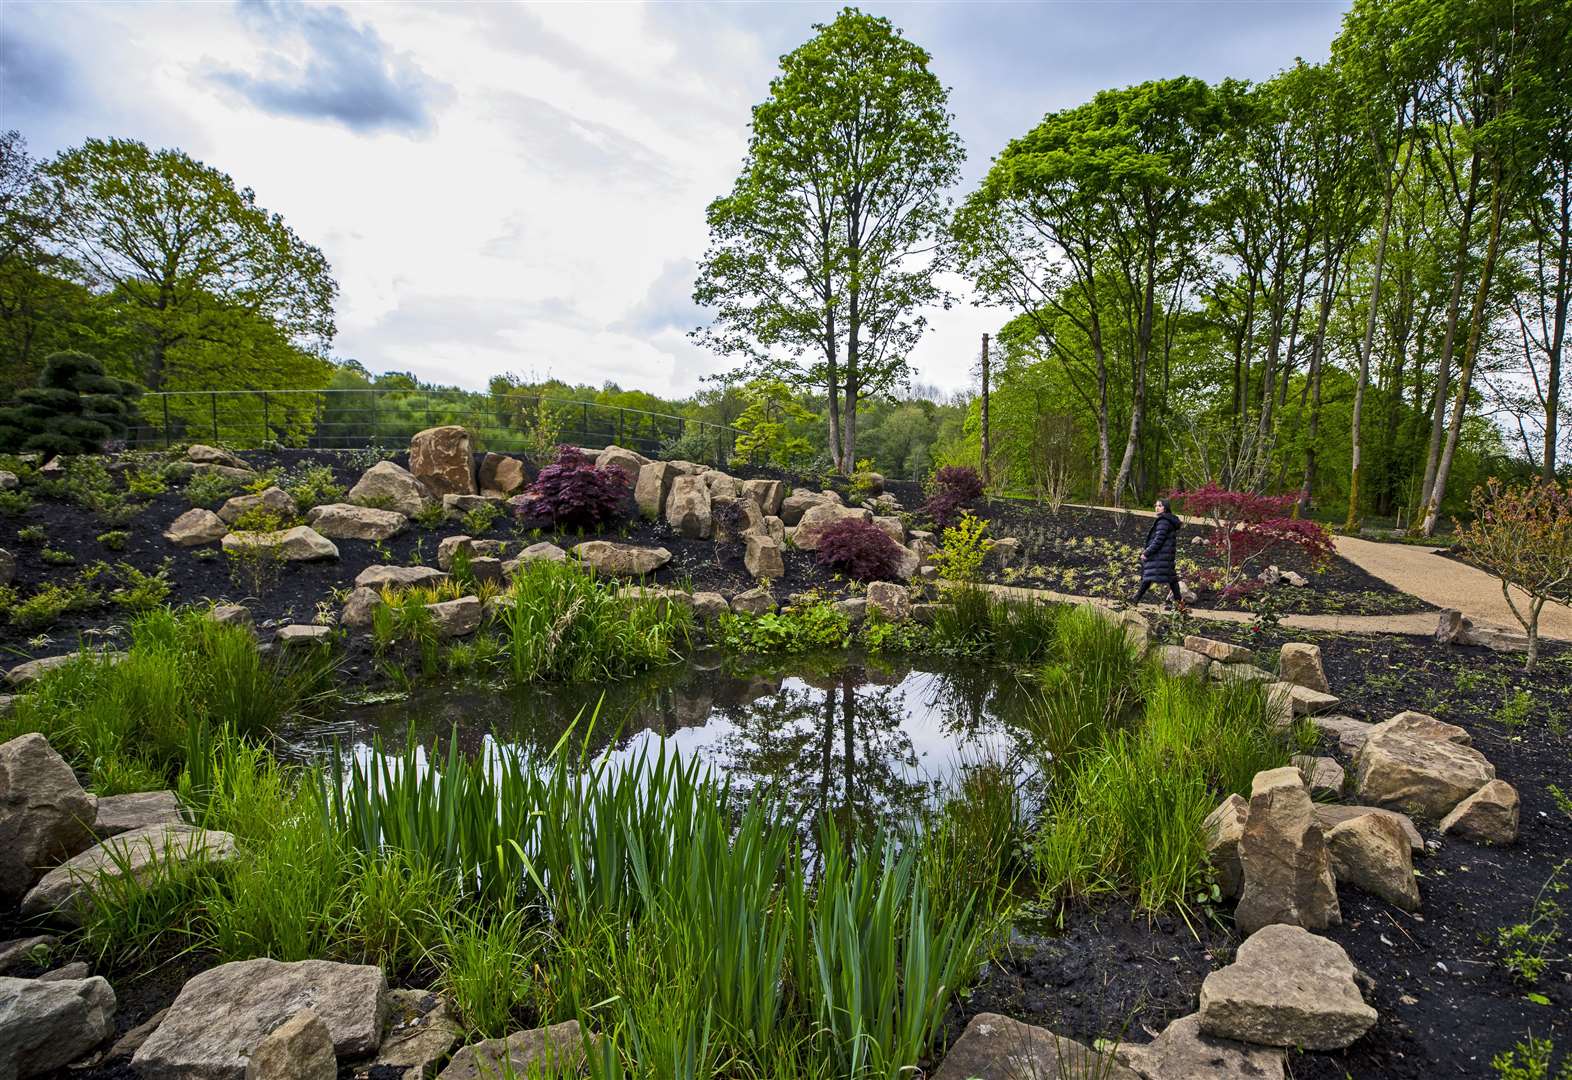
column 1173, row 587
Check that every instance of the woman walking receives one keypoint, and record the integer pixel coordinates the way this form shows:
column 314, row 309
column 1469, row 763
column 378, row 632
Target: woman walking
column 1158, row 552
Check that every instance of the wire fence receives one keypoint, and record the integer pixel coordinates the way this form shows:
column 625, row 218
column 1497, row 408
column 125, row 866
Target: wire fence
column 386, row 418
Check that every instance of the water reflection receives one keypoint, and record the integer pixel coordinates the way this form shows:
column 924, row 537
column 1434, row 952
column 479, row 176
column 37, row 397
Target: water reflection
column 863, row 742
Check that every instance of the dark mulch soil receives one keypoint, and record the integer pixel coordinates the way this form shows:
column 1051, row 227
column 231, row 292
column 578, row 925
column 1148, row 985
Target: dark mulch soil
column 199, row 574
column 1447, row 1004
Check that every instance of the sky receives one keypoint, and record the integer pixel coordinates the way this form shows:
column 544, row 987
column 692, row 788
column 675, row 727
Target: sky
column 521, row 187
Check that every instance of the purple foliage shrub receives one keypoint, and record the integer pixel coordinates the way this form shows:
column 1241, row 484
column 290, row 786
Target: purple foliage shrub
column 573, row 492
column 953, row 489
column 859, row 549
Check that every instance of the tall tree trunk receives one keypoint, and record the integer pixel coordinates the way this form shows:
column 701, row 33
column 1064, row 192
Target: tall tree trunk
column 1557, row 335
column 1351, row 522
column 1143, row 345
column 1476, row 318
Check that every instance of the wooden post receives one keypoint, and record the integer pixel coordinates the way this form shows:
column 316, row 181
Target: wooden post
column 987, row 446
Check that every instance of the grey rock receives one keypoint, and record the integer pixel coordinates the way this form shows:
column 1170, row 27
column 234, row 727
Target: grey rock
column 223, row 1013
column 1488, row 816
column 1300, row 663
column 71, row 972
column 734, row 517
column 1371, row 853
column 501, row 474
column 1179, row 661
column 456, row 618
column 762, row 556
column 45, row 1026
column 391, row 486
column 121, row 813
column 1224, row 826
column 1184, row 1052
column 1286, row 987
column 1221, row 651
column 421, row 1032
column 299, row 544
column 895, row 528
column 688, row 507
column 820, row 517
column 400, row 577
column 1323, row 775
column 769, row 494
column 652, row 487
column 1331, row 815
column 231, row 615
column 1349, row 733
column 709, row 606
column 202, row 454
column 1422, row 726
column 9, row 481
column 298, row 1049
column 1302, row 700
column 549, row 1051
column 30, row 671
column 22, row 952
column 229, row 472
column 995, row 1047
column 297, row 635
column 855, row 609
column 360, row 608
column 621, row 560
column 195, row 527
column 892, row 602
column 628, row 463
column 721, row 485
column 273, row 500
column 346, row 521
column 1228, row 673
column 45, row 816
column 129, row 1043
column 798, row 503
column 64, row 892
column 1283, row 856
column 1423, row 777
column 753, row 602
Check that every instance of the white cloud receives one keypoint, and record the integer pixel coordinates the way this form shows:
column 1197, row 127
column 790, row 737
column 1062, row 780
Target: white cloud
column 522, row 188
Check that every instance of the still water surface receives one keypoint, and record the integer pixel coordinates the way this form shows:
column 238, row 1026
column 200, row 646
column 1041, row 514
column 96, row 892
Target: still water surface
column 860, row 739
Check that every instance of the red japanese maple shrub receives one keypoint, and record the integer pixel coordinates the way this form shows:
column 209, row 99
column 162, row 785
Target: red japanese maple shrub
column 953, row 489
column 1245, row 531
column 859, row 549
column 573, row 492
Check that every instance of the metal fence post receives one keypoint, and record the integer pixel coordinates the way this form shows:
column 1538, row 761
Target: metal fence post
column 267, row 428
column 212, row 397
column 165, row 398
column 374, row 418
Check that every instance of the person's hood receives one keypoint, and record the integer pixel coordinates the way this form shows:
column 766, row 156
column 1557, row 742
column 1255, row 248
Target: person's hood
column 1173, row 517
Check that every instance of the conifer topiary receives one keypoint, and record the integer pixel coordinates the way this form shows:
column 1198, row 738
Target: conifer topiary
column 74, row 409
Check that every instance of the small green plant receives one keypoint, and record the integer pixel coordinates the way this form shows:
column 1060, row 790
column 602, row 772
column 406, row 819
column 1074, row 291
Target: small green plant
column 53, row 600
column 430, row 516
column 32, row 534
column 255, row 567
column 1526, row 948
column 262, row 520
column 1530, row 1060
column 480, row 520
column 210, row 489
column 1515, row 711
column 16, row 502
column 804, row 627
column 115, row 539
column 139, row 591
column 56, row 557
column 312, row 485
column 144, row 481
column 1562, row 800
column 879, row 635
column 962, row 549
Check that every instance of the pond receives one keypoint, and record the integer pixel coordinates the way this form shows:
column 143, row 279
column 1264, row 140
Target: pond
column 866, row 740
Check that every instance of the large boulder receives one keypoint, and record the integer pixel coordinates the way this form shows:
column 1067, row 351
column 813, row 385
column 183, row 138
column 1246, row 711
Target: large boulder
column 1423, row 777
column 1300, row 663
column 721, row 485
column 769, row 494
column 1283, row 857
column 67, row 890
column 544, row 551
column 360, row 608
column 688, row 507
column 1421, row 726
column 391, row 487
column 1331, row 815
column 624, row 461
column 1349, row 733
column 762, row 556
column 222, row 1014
column 272, row 500
column 1221, row 651
column 300, row 544
column 456, row 618
column 652, row 487
column 820, row 517
column 1323, row 775
column 1299, row 700
column 346, row 521
column 1224, row 826
column 1371, row 853
column 798, row 503
column 298, row 1049
column 893, row 602
column 1286, row 987
column 758, row 601
column 46, row 1025
column 402, row 577
column 1178, row 661
column 1184, row 1052
column 45, row 816
column 995, row 1047
column 557, row 1050
column 202, row 454
column 501, row 475
column 442, row 458
column 621, row 560
column 136, row 810
column 732, row 518
column 195, row 527
column 421, row 1033
column 1488, row 816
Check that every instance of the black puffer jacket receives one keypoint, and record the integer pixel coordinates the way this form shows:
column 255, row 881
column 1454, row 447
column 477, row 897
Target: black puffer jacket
column 1162, row 541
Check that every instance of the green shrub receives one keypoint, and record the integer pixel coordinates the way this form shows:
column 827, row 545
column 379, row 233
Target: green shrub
column 53, row 600
column 809, row 626
column 114, row 540
column 56, row 557
column 32, row 534
column 312, row 485
column 481, row 519
column 962, row 549
column 210, row 489
column 16, row 502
